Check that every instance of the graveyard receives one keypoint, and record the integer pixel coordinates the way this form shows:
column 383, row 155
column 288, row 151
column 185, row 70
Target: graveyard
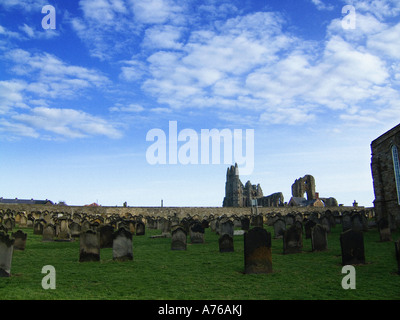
column 210, row 263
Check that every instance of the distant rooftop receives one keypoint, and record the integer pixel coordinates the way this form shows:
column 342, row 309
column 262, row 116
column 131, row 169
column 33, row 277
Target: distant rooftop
column 25, row 201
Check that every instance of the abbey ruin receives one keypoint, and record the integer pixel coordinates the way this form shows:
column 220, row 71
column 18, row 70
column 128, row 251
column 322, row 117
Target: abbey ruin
column 248, row 195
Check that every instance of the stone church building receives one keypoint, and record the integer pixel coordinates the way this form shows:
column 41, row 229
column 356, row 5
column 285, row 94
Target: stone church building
column 385, row 169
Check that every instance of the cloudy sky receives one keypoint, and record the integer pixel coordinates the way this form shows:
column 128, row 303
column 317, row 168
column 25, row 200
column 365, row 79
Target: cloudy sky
column 83, row 104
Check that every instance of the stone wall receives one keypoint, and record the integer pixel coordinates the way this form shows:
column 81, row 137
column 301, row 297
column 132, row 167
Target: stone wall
column 169, row 211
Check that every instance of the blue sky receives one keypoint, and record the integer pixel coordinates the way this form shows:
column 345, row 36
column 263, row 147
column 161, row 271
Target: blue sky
column 77, row 101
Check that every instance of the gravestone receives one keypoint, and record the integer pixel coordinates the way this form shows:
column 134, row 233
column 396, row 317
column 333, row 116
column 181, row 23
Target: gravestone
column 19, row 240
column 122, row 245
column 397, row 249
column 64, row 234
column 279, row 228
column 308, row 227
column 289, row 219
column 384, row 230
column 75, row 229
column 319, row 238
column 226, row 227
column 292, row 240
column 356, row 222
column 106, row 236
column 49, row 232
column 140, row 228
column 245, row 223
column 257, row 251
column 23, row 221
column 257, row 221
column 324, row 222
column 179, row 238
column 6, row 253
column 38, row 227
column 225, row 242
column 352, row 247
column 346, row 221
column 196, row 233
column 89, row 247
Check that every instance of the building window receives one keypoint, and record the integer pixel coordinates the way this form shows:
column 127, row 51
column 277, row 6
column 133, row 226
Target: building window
column 396, row 165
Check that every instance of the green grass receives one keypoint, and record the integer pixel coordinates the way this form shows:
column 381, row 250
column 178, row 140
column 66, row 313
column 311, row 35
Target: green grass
column 201, row 272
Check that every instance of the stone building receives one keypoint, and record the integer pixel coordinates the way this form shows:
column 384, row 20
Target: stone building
column 385, row 169
column 239, row 195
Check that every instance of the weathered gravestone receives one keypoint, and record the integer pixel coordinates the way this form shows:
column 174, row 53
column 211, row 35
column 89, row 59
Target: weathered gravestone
column 397, row 249
column 64, row 234
column 89, row 247
column 9, row 223
column 245, row 223
column 257, row 251
column 324, row 222
column 19, row 240
column 106, row 236
column 75, row 229
column 140, row 228
column 23, row 221
column 225, row 242
column 308, row 225
column 384, row 230
column 179, row 238
column 356, row 222
column 346, row 221
column 257, row 220
column 293, row 240
column 196, row 233
column 49, row 232
column 38, row 227
column 352, row 246
column 6, row 252
column 279, row 228
column 226, row 227
column 319, row 238
column 122, row 245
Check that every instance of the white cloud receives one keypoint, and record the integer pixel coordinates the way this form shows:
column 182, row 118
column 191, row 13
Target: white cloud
column 68, row 123
column 133, row 107
column 322, row 5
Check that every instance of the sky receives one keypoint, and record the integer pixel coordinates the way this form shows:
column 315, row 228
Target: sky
column 110, row 101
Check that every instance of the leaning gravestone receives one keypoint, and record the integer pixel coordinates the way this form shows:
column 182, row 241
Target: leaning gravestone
column 6, row 253
column 257, row 251
column 179, row 239
column 319, row 238
column 352, row 246
column 293, row 240
column 122, row 245
column 19, row 240
column 89, row 247
column 225, row 242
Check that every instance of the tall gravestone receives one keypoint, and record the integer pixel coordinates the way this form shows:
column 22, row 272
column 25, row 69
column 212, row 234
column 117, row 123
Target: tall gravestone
column 257, row 251
column 245, row 223
column 64, row 234
column 89, row 247
column 122, row 245
column 293, row 240
column 346, row 221
column 319, row 238
column 179, row 238
column 6, row 253
column 352, row 247
column 308, row 225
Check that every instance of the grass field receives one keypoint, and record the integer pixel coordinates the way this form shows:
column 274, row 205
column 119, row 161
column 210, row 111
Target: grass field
column 200, row 273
